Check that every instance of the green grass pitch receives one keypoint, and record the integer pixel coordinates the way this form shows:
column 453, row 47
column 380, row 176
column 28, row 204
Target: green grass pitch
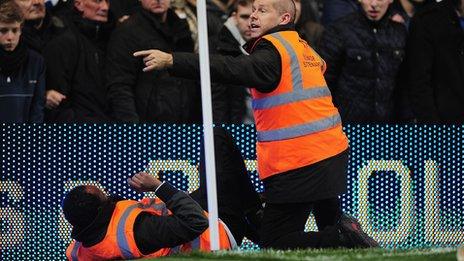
column 326, row 255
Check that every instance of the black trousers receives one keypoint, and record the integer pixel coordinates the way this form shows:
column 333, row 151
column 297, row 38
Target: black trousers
column 285, row 216
column 238, row 201
column 283, row 224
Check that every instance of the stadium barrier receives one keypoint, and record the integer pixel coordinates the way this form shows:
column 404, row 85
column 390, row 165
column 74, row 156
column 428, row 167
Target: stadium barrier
column 405, row 183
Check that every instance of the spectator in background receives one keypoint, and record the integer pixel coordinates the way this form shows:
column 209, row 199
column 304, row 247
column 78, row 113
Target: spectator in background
column 336, row 9
column 60, row 8
column 22, row 71
column 136, row 96
column 40, row 27
column 232, row 105
column 121, row 10
column 219, row 8
column 307, row 21
column 50, row 3
column 186, row 9
column 364, row 52
column 75, row 66
column 436, row 63
column 312, row 10
column 404, row 10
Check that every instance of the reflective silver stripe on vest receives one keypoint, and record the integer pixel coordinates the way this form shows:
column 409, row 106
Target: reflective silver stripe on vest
column 174, row 250
column 295, row 96
column 74, row 251
column 195, row 244
column 299, row 130
column 121, row 233
column 299, row 93
column 297, row 78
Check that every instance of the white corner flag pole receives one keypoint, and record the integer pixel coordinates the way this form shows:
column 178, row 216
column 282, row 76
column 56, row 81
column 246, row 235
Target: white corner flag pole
column 208, row 124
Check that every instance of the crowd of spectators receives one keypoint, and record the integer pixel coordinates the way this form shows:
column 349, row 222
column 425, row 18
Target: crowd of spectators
column 388, row 61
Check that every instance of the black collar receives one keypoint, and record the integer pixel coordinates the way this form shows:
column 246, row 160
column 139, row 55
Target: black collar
column 169, row 24
column 10, row 62
column 249, row 46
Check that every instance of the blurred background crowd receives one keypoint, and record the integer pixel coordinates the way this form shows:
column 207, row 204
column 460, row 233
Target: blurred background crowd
column 388, row 61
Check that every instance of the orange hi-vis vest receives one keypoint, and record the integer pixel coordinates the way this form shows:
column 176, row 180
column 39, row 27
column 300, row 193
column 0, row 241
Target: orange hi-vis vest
column 297, row 124
column 119, row 242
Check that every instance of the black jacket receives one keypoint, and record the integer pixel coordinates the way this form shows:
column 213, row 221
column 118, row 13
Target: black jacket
column 22, row 86
column 36, row 39
column 136, row 96
column 436, row 65
column 229, row 103
column 75, row 68
column 120, row 8
column 363, row 60
column 261, row 70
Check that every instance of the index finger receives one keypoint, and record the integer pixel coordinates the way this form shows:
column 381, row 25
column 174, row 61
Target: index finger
column 133, row 184
column 143, row 53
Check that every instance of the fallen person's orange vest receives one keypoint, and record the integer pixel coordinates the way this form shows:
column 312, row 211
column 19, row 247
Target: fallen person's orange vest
column 119, row 241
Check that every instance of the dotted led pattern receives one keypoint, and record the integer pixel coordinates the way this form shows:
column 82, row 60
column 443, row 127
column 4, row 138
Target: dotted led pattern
column 381, row 184
column 426, row 187
column 393, row 171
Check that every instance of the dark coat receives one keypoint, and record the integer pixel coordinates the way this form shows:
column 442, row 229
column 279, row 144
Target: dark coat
column 436, row 65
column 136, row 96
column 75, row 68
column 260, row 70
column 120, row 8
column 22, row 92
column 337, row 9
column 363, row 60
column 36, row 39
column 229, row 101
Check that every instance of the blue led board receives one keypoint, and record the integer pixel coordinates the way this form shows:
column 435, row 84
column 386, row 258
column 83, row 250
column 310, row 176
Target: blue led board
column 405, row 183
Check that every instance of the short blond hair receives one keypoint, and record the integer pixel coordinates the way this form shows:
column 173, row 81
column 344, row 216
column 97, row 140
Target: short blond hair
column 286, row 6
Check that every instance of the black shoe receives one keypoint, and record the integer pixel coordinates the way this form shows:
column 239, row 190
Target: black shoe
column 351, row 231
